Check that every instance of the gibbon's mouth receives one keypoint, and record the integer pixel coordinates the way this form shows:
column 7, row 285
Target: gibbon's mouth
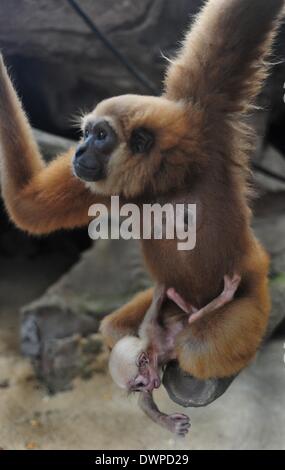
column 90, row 173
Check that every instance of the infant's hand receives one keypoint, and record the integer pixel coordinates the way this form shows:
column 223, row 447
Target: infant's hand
column 176, row 423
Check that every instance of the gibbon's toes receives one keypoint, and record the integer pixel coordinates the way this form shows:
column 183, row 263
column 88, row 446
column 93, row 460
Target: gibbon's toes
column 231, row 286
column 179, row 301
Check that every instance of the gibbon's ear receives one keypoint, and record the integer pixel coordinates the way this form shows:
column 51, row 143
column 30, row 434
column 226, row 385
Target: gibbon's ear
column 222, row 64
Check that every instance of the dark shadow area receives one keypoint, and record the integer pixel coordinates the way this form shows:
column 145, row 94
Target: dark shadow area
column 29, row 265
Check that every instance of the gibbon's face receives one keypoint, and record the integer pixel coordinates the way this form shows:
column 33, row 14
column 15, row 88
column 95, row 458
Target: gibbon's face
column 132, row 366
column 134, row 145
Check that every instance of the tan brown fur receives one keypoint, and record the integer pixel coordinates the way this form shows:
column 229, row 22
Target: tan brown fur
column 39, row 198
column 200, row 156
column 127, row 319
column 220, row 345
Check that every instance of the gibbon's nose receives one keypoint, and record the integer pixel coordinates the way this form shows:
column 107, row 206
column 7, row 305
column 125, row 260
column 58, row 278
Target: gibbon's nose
column 91, row 157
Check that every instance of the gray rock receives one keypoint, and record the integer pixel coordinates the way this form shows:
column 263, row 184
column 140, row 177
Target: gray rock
column 70, row 68
column 187, row 391
column 271, row 159
column 65, row 358
column 52, row 145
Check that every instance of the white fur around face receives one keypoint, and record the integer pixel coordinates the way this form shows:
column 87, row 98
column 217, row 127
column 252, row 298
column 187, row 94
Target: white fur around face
column 122, row 363
column 95, row 188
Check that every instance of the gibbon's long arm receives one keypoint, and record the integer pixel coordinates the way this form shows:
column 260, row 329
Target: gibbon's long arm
column 40, row 199
column 221, row 65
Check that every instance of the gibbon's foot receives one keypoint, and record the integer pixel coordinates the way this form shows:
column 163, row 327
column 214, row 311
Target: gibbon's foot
column 230, row 287
column 173, row 295
column 176, row 423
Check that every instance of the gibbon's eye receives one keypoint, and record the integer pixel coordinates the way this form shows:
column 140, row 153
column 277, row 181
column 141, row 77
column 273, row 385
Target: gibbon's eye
column 142, row 140
column 86, row 133
column 100, row 134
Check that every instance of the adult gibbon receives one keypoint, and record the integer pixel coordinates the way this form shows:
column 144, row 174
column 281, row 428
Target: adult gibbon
column 190, row 145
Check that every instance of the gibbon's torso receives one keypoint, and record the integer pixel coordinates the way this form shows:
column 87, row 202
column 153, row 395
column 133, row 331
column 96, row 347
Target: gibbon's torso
column 223, row 241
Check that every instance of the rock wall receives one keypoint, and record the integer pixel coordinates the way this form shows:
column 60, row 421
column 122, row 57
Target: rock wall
column 61, row 67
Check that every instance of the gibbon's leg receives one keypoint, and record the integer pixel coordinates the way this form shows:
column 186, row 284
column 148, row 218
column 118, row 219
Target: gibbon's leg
column 39, row 198
column 150, row 327
column 127, row 319
column 230, row 287
column 221, row 64
column 223, row 344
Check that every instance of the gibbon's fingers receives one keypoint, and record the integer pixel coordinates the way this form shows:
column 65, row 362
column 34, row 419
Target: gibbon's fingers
column 39, row 198
column 221, row 64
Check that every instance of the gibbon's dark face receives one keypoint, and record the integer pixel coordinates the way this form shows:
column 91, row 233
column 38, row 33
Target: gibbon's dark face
column 90, row 160
column 135, row 144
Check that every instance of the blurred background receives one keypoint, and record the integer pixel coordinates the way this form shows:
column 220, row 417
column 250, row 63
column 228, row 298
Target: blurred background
column 55, row 392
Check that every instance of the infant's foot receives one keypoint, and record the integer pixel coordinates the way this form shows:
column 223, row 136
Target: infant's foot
column 231, row 285
column 178, row 300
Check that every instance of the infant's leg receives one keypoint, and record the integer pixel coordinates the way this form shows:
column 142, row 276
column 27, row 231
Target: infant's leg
column 230, row 288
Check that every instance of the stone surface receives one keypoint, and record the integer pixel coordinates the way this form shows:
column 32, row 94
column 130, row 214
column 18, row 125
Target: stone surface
column 273, row 160
column 187, row 391
column 96, row 414
column 52, row 145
